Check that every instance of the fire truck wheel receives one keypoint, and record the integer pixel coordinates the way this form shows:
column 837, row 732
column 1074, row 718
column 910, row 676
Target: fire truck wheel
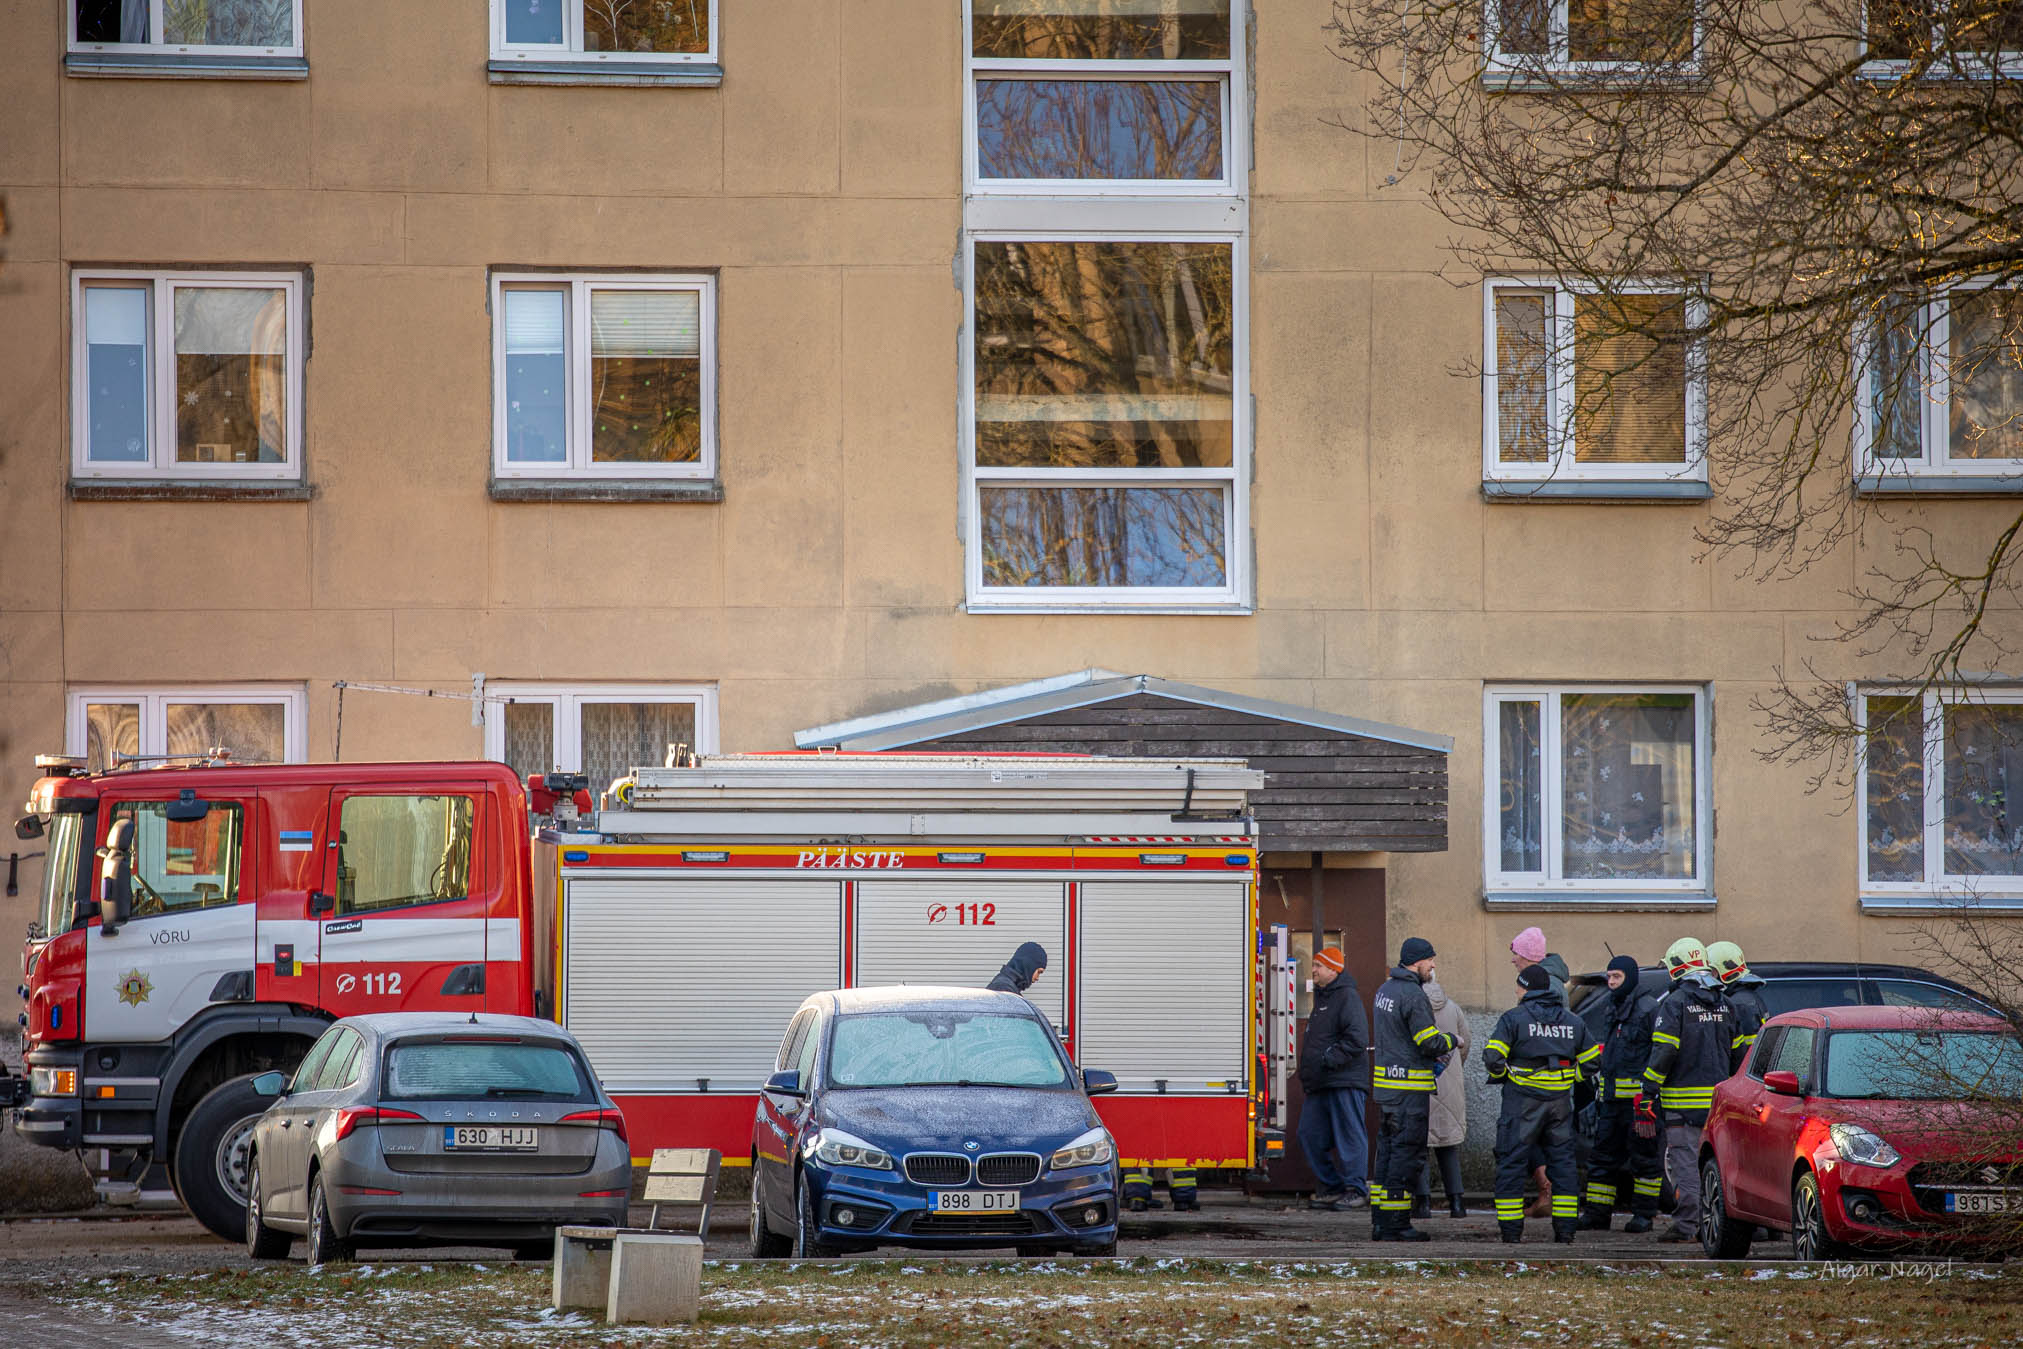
column 806, row 1245
column 212, row 1154
column 262, row 1241
column 766, row 1243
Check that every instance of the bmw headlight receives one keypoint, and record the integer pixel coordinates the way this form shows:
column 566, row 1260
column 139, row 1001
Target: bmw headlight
column 1856, row 1144
column 841, row 1149
column 1093, row 1148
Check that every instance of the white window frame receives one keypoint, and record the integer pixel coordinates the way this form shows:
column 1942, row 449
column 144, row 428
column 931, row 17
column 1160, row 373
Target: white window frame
column 571, row 46
column 155, row 26
column 568, row 701
column 576, row 354
column 154, row 701
column 1934, row 393
column 1560, row 464
column 1110, row 210
column 1947, row 63
column 1500, row 66
column 1551, row 789
column 161, row 378
column 1937, row 882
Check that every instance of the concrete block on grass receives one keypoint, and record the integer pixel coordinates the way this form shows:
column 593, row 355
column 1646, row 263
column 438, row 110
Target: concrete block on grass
column 582, row 1267
column 656, row 1278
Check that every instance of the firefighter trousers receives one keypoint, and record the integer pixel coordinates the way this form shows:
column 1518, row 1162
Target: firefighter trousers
column 1401, row 1156
column 1544, row 1123
column 1682, row 1166
column 1624, row 1170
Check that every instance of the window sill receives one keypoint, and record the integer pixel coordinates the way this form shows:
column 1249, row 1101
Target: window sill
column 1654, row 492
column 695, row 74
column 607, row 489
column 1940, row 904
column 172, row 66
column 1604, row 901
column 1574, row 79
column 191, row 489
column 1938, row 484
column 986, row 608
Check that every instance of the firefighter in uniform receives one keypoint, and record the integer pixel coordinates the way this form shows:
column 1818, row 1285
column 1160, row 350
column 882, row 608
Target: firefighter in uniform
column 1626, row 1146
column 1695, row 1046
column 1179, row 1184
column 1725, row 959
column 1407, row 1046
column 1537, row 1051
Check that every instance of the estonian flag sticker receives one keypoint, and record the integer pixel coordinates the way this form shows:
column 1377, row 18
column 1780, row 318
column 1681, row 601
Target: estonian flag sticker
column 298, row 840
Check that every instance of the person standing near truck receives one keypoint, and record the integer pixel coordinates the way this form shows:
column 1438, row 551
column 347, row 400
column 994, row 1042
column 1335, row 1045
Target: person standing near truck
column 1626, row 1144
column 1027, row 964
column 1334, row 1072
column 1408, row 1043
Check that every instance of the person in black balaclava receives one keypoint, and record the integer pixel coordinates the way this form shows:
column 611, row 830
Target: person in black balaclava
column 1626, row 1146
column 1028, row 963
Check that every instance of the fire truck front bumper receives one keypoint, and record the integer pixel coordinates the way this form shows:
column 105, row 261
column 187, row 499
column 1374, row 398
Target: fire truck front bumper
column 51, row 1106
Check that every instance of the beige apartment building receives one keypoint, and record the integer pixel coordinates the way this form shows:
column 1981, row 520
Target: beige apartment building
column 714, row 371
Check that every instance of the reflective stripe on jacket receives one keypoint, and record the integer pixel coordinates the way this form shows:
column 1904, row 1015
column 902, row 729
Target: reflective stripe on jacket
column 1694, row 1045
column 1403, row 1034
column 1539, row 1048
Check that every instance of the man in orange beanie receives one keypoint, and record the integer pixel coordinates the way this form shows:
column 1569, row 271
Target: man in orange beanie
column 1334, row 1071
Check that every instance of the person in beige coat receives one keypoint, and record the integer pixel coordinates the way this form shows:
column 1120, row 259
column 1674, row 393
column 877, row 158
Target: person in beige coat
column 1448, row 1122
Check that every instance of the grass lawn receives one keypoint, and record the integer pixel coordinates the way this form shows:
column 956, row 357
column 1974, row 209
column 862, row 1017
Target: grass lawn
column 927, row 1302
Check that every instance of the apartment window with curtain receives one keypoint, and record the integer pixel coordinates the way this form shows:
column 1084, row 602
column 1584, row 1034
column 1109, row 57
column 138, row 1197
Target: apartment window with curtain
column 1939, row 389
column 603, row 376
column 250, row 723
column 1942, row 795
column 217, row 39
column 601, row 730
column 1942, row 41
column 1554, row 42
column 1106, row 435
column 1596, row 792
column 628, row 39
column 1591, row 392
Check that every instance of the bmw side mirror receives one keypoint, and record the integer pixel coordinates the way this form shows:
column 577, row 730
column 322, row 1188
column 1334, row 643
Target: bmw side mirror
column 115, row 895
column 270, row 1084
column 1095, row 1081
column 785, row 1084
column 1783, row 1081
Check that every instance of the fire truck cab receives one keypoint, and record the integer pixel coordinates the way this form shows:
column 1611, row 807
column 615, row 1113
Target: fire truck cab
column 202, row 923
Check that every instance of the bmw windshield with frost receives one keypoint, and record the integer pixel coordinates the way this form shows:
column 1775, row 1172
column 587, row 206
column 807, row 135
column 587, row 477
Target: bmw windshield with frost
column 938, row 1048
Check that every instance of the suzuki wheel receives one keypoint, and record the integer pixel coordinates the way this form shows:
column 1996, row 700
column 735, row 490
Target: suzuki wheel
column 766, row 1243
column 1720, row 1236
column 212, row 1154
column 324, row 1246
column 1809, row 1238
column 262, row 1241
column 808, row 1244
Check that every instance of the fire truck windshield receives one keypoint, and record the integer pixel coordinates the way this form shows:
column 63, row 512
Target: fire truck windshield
column 59, row 874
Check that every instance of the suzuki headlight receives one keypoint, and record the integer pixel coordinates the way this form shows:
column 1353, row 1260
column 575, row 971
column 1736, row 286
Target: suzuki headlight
column 1856, row 1144
column 52, row 1081
column 1093, row 1148
column 840, row 1149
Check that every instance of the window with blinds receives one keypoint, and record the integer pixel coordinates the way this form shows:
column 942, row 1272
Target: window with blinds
column 1940, row 389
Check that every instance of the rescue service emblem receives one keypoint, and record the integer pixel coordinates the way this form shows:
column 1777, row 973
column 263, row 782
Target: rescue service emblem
column 134, row 988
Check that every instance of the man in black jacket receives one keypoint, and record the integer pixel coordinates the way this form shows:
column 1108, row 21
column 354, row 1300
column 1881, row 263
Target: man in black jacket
column 1028, row 963
column 1408, row 1047
column 1334, row 1071
column 1626, row 1147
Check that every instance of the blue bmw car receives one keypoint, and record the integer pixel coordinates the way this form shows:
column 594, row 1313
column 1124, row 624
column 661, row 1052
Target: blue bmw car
column 940, row 1118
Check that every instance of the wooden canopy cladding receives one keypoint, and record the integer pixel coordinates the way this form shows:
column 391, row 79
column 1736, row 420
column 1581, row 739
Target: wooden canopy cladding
column 1324, row 790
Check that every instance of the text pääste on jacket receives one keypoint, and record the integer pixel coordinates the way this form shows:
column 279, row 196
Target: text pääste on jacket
column 1695, row 1046
column 1539, row 1048
column 1403, row 1034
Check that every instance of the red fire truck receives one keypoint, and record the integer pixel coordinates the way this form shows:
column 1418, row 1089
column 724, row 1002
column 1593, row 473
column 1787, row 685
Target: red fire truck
column 202, row 923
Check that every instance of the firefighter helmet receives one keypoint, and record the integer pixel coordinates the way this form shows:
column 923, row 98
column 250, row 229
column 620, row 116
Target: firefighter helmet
column 1725, row 959
column 1684, row 956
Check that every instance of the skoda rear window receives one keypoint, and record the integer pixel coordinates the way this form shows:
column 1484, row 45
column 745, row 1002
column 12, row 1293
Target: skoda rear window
column 478, row 1070
column 943, row 1048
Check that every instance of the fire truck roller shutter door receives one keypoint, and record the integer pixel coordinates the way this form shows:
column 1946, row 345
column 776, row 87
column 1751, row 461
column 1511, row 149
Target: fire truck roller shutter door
column 960, row 931
column 1165, row 971
column 668, row 980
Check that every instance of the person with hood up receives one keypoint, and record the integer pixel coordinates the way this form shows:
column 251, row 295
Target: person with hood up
column 1334, row 1072
column 1027, row 964
column 1447, row 1125
column 1740, row 986
column 1537, row 1051
column 1695, row 1046
column 1407, row 1045
column 1626, row 1145
column 1528, row 948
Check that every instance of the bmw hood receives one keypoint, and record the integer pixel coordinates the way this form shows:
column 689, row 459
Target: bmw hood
column 943, row 1119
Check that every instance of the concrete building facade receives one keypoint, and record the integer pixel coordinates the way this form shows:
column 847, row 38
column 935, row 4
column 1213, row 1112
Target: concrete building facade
column 986, row 351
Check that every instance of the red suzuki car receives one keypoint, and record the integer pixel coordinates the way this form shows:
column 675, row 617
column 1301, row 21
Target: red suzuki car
column 1866, row 1127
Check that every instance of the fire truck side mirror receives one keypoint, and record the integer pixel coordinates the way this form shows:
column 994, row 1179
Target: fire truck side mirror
column 28, row 826
column 787, row 1083
column 1095, row 1081
column 115, row 896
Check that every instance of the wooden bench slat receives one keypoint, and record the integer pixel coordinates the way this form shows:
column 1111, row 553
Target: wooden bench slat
column 683, row 1161
column 678, row 1189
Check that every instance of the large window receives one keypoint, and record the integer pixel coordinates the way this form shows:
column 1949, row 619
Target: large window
column 186, row 375
column 1596, row 789
column 188, row 27
column 1554, row 41
column 595, row 32
column 1106, row 429
column 258, row 723
column 1590, row 387
column 396, row 851
column 1937, row 39
column 603, row 377
column 602, row 731
column 183, row 864
column 1942, row 792
column 1940, row 387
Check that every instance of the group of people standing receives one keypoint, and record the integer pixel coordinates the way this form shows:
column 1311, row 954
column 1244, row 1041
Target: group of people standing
column 1652, row 1072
